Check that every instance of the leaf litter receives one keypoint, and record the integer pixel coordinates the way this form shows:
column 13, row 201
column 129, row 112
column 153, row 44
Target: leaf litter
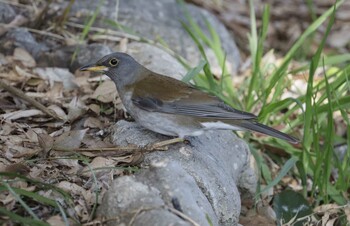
column 36, row 148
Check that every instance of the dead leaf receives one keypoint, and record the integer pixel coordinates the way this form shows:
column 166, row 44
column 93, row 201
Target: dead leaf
column 95, row 108
column 23, row 73
column 327, row 208
column 96, row 163
column 56, row 221
column 24, row 57
column 21, row 114
column 54, row 74
column 58, row 111
column 72, row 164
column 72, row 188
column 76, row 109
column 45, row 142
column 105, row 92
column 92, row 122
column 69, row 140
column 347, row 212
column 18, row 168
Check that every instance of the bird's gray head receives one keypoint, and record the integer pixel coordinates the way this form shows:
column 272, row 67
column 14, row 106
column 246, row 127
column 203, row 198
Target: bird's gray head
column 120, row 67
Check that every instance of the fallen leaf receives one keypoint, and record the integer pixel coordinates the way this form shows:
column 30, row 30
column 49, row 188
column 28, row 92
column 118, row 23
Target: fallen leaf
column 45, row 142
column 76, row 109
column 58, row 111
column 56, row 220
column 18, row 168
column 95, row 108
column 23, row 73
column 92, row 122
column 24, row 57
column 105, row 92
column 69, row 140
column 96, row 163
column 21, row 114
column 54, row 74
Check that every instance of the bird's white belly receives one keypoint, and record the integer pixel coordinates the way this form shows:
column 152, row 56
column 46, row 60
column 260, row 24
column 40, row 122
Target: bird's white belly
column 166, row 124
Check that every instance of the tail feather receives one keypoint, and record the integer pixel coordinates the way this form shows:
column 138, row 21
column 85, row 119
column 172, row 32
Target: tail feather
column 260, row 128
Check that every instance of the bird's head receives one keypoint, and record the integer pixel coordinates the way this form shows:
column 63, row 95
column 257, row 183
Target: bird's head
column 120, row 67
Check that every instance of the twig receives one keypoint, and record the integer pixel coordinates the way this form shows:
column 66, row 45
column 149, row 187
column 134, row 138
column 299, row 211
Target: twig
column 19, row 93
column 15, row 4
column 183, row 216
column 46, row 33
column 167, row 142
column 158, row 146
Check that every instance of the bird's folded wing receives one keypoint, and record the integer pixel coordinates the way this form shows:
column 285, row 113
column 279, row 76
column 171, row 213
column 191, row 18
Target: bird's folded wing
column 174, row 97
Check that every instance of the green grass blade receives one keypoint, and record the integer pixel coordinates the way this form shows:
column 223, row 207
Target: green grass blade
column 206, row 67
column 18, row 199
column 32, row 195
column 194, row 71
column 284, row 170
column 87, row 28
column 281, row 71
column 63, row 214
column 257, row 45
column 22, row 220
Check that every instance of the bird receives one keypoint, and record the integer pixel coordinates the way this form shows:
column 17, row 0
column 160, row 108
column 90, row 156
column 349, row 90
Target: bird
column 171, row 107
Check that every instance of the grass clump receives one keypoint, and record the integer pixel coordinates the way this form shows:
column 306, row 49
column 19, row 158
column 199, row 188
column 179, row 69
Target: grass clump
column 309, row 115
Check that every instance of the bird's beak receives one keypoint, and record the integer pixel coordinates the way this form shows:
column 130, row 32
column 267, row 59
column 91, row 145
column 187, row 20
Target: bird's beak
column 94, row 67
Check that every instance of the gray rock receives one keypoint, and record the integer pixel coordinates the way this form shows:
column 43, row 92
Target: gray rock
column 138, row 201
column 154, row 19
column 7, row 14
column 21, row 37
column 90, row 54
column 156, row 59
column 62, row 57
column 202, row 175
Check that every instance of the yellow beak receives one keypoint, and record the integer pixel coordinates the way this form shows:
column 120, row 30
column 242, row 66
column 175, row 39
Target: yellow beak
column 93, row 67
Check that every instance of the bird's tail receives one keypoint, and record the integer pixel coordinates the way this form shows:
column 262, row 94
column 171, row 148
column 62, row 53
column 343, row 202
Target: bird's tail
column 260, row 128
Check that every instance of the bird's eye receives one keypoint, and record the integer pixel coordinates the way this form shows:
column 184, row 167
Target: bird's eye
column 114, row 62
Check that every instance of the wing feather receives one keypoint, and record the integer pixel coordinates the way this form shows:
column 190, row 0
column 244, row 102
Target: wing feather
column 167, row 95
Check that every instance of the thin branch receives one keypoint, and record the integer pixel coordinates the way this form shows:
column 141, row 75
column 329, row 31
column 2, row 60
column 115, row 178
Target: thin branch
column 19, row 93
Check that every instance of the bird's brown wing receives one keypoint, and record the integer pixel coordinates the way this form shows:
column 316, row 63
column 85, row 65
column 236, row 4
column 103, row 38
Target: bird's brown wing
column 158, row 93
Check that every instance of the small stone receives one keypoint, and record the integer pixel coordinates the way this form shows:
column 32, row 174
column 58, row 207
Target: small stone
column 7, row 14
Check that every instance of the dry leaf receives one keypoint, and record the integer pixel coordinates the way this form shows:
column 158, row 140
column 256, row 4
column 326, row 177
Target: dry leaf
column 23, row 73
column 69, row 140
column 105, row 92
column 73, row 165
column 56, row 221
column 92, row 122
column 18, row 168
column 54, row 74
column 72, row 188
column 45, row 142
column 95, row 108
column 58, row 111
column 347, row 212
column 76, row 109
column 327, row 208
column 21, row 114
column 25, row 58
column 96, row 163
